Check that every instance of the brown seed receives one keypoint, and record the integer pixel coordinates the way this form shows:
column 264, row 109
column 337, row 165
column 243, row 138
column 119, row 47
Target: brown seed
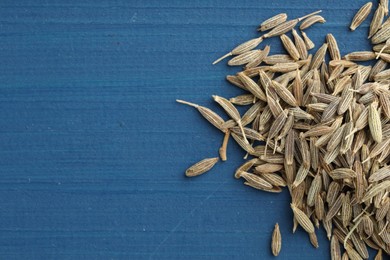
column 242, row 48
column 382, row 35
column 290, row 46
column 252, row 86
column 374, row 122
column 360, row 56
column 300, row 45
column 335, row 207
column 335, row 252
column 302, row 219
column 201, row 167
column 361, row 15
column 314, row 190
column 231, row 111
column 245, row 57
column 319, row 57
column 272, row 22
column 377, row 20
column 309, row 44
column 375, row 189
column 207, row 113
column 333, row 47
column 311, row 20
column 276, row 245
column 385, row 4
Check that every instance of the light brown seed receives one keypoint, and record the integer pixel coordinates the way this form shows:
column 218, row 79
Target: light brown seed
column 242, row 100
column 361, row 15
column 245, row 57
column 314, row 190
column 300, row 45
column 385, row 4
column 335, row 207
column 231, row 111
column 290, row 47
column 302, row 219
column 309, row 44
column 272, row 22
column 207, row 113
column 313, row 239
column 201, row 167
column 360, row 56
column 333, row 47
column 311, row 20
column 242, row 48
column 382, row 35
column 378, row 255
column 284, row 94
column 376, row 189
column 377, row 20
column 252, row 86
column 259, row 59
column 374, row 122
column 256, row 180
column 276, row 245
column 318, row 58
column 335, row 252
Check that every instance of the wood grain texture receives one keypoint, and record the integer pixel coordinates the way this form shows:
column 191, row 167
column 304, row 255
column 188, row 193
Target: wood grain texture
column 94, row 148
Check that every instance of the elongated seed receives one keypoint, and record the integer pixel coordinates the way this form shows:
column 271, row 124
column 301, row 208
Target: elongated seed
column 361, row 15
column 276, row 245
column 377, row 20
column 201, row 167
column 311, row 20
column 272, row 22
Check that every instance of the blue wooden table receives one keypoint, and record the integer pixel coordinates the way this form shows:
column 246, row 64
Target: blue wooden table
column 94, row 147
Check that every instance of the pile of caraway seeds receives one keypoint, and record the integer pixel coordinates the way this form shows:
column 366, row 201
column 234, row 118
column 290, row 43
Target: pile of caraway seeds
column 321, row 129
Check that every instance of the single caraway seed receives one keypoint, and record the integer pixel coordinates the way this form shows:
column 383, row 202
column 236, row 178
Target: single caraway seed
column 201, row 167
column 302, row 219
column 333, row 47
column 374, row 121
column 272, row 22
column 309, row 44
column 376, row 20
column 361, row 15
column 276, row 245
column 311, row 20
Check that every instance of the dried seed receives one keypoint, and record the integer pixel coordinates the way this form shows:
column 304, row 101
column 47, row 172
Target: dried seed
column 252, row 86
column 385, row 4
column 333, row 47
column 244, row 58
column 360, row 56
column 374, row 122
column 319, row 57
column 361, row 15
column 374, row 190
column 242, row 48
column 311, row 20
column 300, row 45
column 309, row 44
column 290, row 46
column 335, row 252
column 376, row 20
column 272, row 22
column 302, row 219
column 201, row 167
column 207, row 113
column 276, row 240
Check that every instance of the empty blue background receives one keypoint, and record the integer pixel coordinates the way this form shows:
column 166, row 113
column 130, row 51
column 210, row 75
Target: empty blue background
column 94, row 146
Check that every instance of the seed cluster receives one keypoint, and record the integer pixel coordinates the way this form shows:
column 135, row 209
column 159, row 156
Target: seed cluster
column 320, row 128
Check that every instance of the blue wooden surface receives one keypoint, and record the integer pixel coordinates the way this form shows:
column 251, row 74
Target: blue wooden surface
column 93, row 146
